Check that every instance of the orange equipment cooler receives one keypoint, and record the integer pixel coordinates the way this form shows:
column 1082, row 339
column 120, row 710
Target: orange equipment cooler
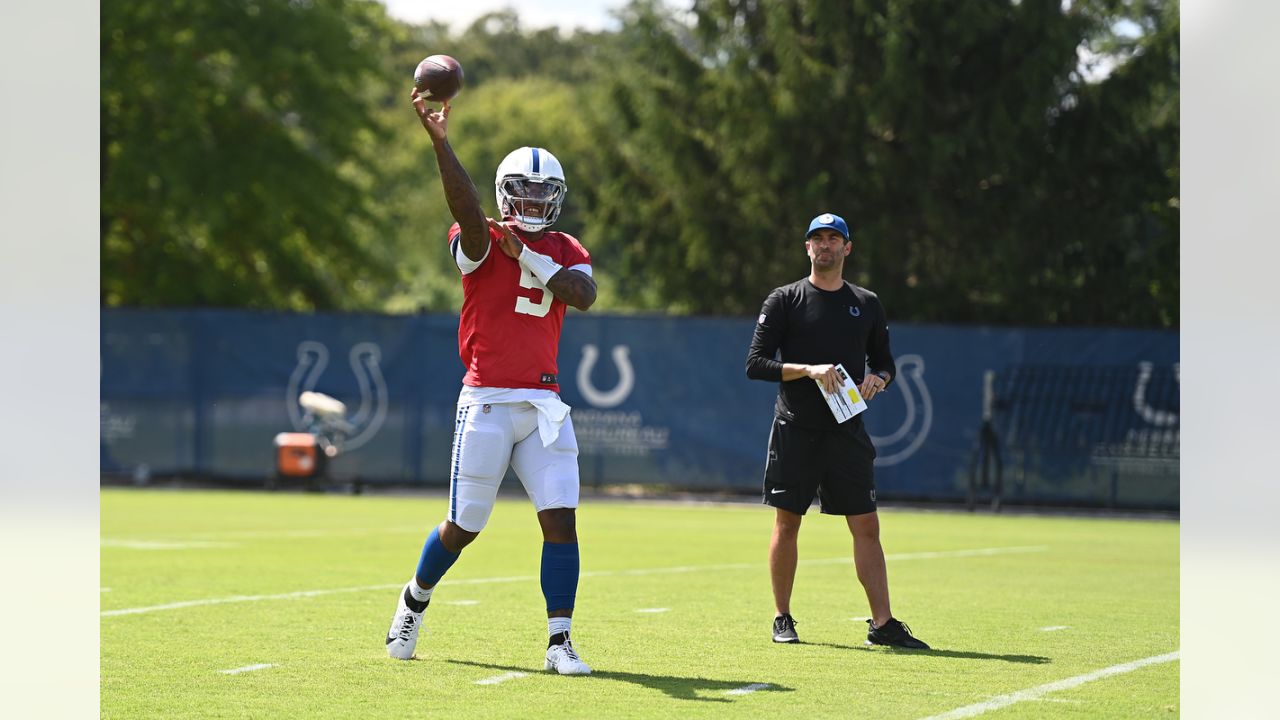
column 298, row 455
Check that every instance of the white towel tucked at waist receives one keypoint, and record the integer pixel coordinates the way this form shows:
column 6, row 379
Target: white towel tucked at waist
column 551, row 416
column 552, row 412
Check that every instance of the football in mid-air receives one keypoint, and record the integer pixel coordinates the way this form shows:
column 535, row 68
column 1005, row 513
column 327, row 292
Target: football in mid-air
column 438, row 78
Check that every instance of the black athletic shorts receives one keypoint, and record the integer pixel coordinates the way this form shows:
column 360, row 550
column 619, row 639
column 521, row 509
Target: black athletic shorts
column 837, row 465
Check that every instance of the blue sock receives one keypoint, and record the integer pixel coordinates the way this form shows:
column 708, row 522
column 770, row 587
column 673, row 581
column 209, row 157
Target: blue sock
column 559, row 575
column 435, row 561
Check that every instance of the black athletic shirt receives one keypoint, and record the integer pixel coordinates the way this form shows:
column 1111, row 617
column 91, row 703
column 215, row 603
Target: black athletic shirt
column 804, row 324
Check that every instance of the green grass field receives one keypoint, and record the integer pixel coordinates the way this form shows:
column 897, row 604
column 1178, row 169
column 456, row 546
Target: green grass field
column 673, row 613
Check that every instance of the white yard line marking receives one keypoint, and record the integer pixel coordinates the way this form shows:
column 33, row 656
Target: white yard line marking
column 1051, row 628
column 671, row 570
column 104, row 589
column 1036, row 692
column 309, row 533
column 298, row 594
column 501, row 678
column 163, row 544
column 243, row 598
column 486, row 581
column 247, row 668
column 462, row 602
column 934, row 555
column 199, row 538
column 525, row 578
column 748, row 689
column 978, row 552
column 651, row 610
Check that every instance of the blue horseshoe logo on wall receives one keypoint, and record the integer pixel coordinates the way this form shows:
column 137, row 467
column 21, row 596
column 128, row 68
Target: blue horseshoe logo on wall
column 313, row 358
column 1154, row 416
column 626, row 377
column 903, row 442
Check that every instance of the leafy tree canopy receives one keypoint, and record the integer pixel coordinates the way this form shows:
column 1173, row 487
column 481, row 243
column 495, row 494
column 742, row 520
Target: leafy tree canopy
column 264, row 154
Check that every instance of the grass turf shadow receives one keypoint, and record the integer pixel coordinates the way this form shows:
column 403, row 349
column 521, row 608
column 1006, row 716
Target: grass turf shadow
column 935, row 652
column 675, row 686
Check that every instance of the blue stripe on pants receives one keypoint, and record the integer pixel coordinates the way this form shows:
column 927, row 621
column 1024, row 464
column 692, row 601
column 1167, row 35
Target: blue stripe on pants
column 463, row 412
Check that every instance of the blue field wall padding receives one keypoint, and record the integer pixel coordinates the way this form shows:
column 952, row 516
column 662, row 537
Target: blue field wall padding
column 656, row 400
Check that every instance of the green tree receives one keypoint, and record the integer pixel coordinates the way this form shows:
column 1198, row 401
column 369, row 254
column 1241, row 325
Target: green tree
column 1103, row 246
column 235, row 151
column 264, row 154
column 522, row 88
column 940, row 130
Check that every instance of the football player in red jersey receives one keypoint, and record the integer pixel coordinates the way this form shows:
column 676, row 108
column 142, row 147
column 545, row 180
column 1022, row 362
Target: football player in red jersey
column 518, row 277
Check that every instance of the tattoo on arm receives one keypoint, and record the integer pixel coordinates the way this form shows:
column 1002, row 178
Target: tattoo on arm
column 464, row 202
column 573, row 287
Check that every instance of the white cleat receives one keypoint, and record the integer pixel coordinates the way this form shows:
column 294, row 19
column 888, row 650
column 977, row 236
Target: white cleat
column 402, row 638
column 564, row 660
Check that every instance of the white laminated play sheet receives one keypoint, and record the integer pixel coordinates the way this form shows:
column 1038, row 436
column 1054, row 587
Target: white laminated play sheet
column 846, row 401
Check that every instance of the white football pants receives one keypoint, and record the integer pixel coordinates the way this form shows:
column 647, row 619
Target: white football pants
column 487, row 439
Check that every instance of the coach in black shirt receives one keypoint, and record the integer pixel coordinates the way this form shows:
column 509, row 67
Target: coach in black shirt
column 805, row 329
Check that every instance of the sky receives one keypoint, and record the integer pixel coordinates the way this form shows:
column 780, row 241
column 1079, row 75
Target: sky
column 595, row 15
column 566, row 14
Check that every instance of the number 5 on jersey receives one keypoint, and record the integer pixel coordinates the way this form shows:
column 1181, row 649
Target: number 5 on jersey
column 525, row 305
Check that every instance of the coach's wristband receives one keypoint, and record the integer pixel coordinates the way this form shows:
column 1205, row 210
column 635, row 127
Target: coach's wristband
column 540, row 265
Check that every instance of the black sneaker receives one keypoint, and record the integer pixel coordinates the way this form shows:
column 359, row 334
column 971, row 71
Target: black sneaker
column 784, row 629
column 893, row 632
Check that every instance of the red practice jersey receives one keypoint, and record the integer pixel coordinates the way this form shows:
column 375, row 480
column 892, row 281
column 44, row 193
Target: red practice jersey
column 509, row 332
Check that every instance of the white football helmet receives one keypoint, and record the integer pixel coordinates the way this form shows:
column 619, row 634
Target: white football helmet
column 530, row 187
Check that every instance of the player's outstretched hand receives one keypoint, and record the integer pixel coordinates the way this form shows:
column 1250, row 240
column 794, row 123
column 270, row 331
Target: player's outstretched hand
column 436, row 122
column 510, row 244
